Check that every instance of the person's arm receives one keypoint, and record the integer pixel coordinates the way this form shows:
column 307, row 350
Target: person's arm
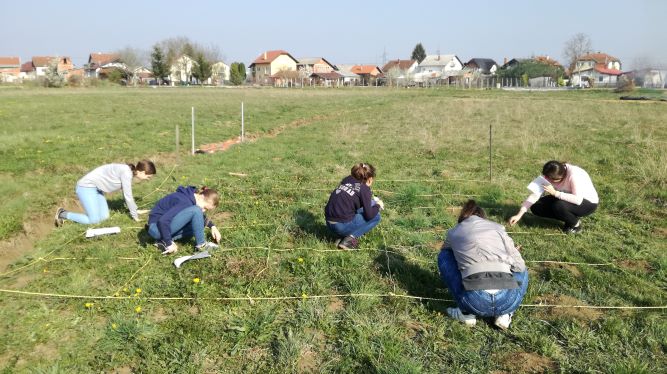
column 126, row 185
column 215, row 233
column 370, row 210
column 517, row 264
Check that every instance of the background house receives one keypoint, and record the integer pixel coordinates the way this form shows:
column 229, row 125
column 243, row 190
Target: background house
column 41, row 64
column 27, row 70
column 10, row 69
column 272, row 66
column 349, row 78
column 597, row 69
column 101, row 64
column 368, row 74
column 399, row 71
column 219, row 74
column 181, row 70
column 438, row 67
column 483, row 66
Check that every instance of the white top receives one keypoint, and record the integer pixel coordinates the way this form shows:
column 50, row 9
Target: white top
column 110, row 178
column 574, row 188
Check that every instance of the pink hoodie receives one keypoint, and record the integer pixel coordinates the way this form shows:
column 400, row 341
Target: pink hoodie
column 574, row 188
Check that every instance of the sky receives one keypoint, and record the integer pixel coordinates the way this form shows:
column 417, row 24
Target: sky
column 357, row 32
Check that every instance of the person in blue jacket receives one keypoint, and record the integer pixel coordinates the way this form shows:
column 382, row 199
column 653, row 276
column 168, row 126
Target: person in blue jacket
column 180, row 215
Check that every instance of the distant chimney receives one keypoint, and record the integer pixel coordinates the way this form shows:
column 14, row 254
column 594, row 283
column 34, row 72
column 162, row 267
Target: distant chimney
column 265, row 55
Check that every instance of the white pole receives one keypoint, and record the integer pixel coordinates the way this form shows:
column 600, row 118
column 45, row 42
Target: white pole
column 193, row 130
column 242, row 122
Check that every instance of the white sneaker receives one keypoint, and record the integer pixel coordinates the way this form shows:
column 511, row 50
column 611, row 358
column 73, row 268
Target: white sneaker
column 207, row 246
column 457, row 314
column 503, row 322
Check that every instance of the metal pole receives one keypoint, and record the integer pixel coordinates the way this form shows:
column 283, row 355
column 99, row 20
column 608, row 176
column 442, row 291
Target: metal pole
column 193, row 130
column 177, row 141
column 242, row 123
column 490, row 151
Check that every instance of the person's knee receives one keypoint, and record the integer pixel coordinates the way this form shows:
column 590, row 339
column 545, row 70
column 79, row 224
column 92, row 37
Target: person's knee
column 561, row 207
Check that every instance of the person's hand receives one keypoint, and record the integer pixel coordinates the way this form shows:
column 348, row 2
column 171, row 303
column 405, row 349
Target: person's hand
column 137, row 219
column 549, row 189
column 380, row 203
column 514, row 219
column 142, row 211
column 173, row 248
column 215, row 233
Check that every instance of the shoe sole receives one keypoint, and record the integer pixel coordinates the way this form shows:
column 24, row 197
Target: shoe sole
column 57, row 220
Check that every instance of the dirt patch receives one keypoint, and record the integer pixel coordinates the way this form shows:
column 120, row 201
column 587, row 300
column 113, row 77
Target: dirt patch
column 525, row 362
column 159, row 315
column 437, row 246
column 552, row 313
column 572, row 269
column 122, row 370
column 193, row 310
column 641, row 266
column 414, row 328
column 23, row 243
column 661, row 231
column 307, row 362
column 336, row 305
column 23, row 280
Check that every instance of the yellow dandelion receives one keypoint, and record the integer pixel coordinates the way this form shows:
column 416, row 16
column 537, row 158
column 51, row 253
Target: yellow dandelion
column 46, row 270
column 114, row 326
column 300, row 259
column 88, row 305
column 138, row 290
column 138, row 309
column 196, row 280
column 304, row 295
column 125, row 289
column 116, row 294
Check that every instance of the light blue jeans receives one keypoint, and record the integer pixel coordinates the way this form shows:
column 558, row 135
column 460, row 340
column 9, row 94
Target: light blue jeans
column 94, row 205
column 480, row 302
column 357, row 227
column 187, row 223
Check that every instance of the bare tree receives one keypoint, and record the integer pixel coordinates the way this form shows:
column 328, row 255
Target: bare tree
column 575, row 47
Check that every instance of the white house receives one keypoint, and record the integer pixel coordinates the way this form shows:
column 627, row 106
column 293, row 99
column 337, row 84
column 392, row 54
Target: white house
column 399, row 71
column 435, row 67
column 597, row 68
column 102, row 63
column 181, row 70
column 219, row 73
column 349, row 78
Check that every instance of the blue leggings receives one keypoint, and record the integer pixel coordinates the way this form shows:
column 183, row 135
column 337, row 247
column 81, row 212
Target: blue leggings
column 94, row 205
column 187, row 223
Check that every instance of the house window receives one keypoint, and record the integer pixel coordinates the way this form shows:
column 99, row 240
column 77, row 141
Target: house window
column 600, row 78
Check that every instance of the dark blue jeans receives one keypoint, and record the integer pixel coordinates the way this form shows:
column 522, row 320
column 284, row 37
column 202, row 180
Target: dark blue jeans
column 480, row 302
column 357, row 227
column 187, row 223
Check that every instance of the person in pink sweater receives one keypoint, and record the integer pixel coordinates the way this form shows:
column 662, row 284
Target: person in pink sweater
column 564, row 192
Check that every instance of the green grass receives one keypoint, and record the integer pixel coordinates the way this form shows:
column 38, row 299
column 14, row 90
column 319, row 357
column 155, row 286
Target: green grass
column 431, row 151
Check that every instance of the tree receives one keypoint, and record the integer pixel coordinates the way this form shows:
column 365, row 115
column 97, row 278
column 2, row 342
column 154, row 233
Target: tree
column 53, row 78
column 419, row 53
column 201, row 69
column 531, row 69
column 237, row 73
column 158, row 64
column 132, row 58
column 575, row 47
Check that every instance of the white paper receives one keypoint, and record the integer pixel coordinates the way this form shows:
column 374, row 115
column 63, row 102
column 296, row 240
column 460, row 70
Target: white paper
column 537, row 185
column 102, row 231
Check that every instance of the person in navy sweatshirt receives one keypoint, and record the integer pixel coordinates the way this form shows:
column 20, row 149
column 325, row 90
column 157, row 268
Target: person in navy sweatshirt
column 180, row 215
column 352, row 211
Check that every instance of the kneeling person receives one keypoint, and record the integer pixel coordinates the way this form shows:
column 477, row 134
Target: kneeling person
column 180, row 215
column 482, row 269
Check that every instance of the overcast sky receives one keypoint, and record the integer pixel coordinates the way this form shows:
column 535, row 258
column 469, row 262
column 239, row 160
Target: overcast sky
column 340, row 31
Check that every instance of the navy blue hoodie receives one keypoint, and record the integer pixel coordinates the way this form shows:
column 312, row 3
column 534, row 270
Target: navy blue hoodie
column 168, row 207
column 344, row 201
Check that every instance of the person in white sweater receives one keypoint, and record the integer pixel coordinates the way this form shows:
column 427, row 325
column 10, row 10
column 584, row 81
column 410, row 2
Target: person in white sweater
column 106, row 179
column 564, row 192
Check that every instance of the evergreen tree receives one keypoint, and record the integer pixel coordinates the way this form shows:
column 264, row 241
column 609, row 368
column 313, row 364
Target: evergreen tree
column 237, row 73
column 158, row 64
column 419, row 53
column 241, row 68
column 201, row 69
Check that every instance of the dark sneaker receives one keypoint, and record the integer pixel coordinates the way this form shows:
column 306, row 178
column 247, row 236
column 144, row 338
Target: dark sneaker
column 161, row 246
column 58, row 221
column 337, row 242
column 348, row 242
column 572, row 230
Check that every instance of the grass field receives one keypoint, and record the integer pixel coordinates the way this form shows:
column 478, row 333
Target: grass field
column 431, row 151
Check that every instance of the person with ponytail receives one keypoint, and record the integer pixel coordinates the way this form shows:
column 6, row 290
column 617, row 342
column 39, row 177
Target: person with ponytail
column 106, row 179
column 180, row 215
column 482, row 269
column 564, row 192
column 352, row 211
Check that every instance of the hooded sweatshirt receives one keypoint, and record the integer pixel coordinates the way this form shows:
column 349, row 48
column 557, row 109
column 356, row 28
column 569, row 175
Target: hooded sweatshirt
column 344, row 201
column 168, row 207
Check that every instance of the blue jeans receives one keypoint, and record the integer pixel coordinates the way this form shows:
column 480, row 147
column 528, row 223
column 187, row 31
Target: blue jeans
column 94, row 205
column 480, row 302
column 187, row 223
column 357, row 227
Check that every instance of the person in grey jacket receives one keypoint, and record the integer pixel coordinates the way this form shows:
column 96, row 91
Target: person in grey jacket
column 105, row 179
column 482, row 268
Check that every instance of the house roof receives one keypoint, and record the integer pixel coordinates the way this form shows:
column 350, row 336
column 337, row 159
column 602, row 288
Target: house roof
column 483, row 64
column 437, row 60
column 100, row 58
column 41, row 61
column 346, row 71
column 27, row 67
column 546, row 60
column 599, row 58
column 330, row 76
column 365, row 69
column 401, row 64
column 601, row 68
column 268, row 57
column 10, row 62
column 312, row 60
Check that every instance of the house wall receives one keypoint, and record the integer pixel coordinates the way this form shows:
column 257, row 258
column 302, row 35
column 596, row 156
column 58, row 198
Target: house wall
column 322, row 67
column 282, row 62
column 261, row 72
column 181, row 70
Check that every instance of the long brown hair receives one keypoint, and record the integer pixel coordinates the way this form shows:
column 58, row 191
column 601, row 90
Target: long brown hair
column 363, row 171
column 210, row 195
column 146, row 166
column 554, row 169
column 470, row 208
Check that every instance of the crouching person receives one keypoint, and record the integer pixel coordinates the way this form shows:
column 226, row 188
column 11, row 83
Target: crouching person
column 482, row 269
column 352, row 211
column 180, row 215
